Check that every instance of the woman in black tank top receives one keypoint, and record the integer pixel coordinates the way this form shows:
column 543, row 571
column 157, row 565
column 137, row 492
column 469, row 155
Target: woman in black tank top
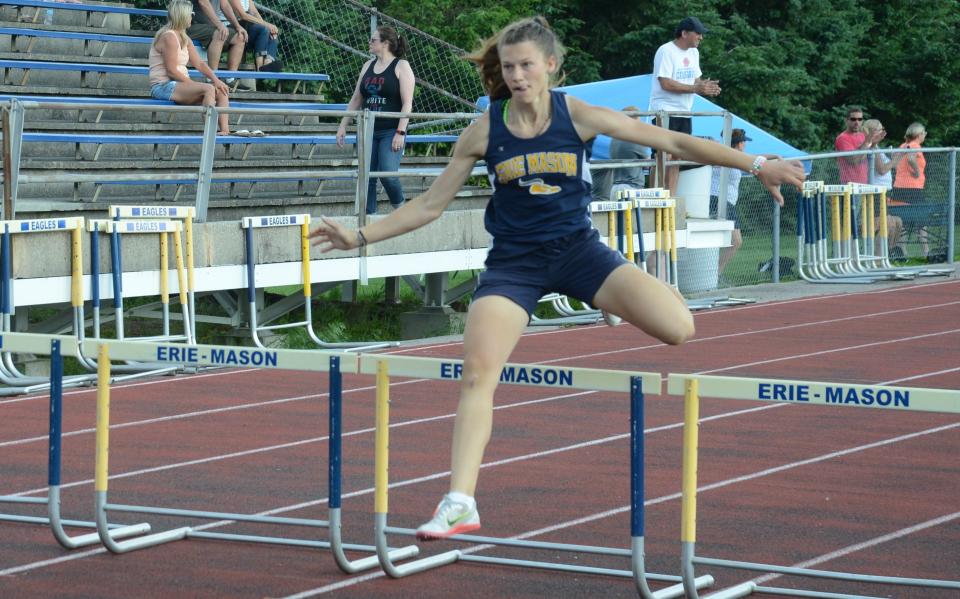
column 386, row 84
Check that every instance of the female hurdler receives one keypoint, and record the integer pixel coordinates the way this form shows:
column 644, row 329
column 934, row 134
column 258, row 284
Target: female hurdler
column 533, row 141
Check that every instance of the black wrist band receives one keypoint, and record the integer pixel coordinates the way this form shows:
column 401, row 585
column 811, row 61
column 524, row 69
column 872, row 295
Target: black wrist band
column 361, row 240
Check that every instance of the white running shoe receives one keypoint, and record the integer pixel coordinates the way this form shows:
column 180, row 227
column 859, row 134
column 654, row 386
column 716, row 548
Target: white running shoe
column 610, row 318
column 450, row 518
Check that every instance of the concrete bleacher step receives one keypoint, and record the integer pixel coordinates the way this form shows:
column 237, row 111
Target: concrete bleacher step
column 56, row 49
column 86, row 120
column 48, row 55
column 143, row 91
column 74, row 18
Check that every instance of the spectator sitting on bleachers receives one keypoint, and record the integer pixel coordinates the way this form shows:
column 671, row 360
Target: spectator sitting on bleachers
column 213, row 34
column 169, row 53
column 262, row 37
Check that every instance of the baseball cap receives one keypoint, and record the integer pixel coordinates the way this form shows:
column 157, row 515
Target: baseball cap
column 738, row 136
column 691, row 24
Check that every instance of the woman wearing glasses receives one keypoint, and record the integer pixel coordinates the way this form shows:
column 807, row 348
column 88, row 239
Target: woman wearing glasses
column 386, row 84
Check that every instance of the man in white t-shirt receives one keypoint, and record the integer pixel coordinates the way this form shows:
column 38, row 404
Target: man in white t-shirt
column 676, row 77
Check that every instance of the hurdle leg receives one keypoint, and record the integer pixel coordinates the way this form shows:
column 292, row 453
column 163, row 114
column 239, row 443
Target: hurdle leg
column 636, row 502
column 658, row 243
column 334, row 473
column 165, row 284
column 672, row 211
column 101, row 477
column 381, row 486
column 53, row 468
column 185, row 311
column 188, row 235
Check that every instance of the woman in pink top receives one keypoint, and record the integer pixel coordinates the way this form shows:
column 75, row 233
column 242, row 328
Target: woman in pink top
column 169, row 53
column 911, row 178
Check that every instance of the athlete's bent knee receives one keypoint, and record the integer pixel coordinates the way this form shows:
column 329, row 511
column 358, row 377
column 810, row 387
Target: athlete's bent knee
column 681, row 333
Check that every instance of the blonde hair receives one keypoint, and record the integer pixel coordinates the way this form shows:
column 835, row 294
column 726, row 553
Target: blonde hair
column 871, row 125
column 487, row 58
column 179, row 15
column 914, row 130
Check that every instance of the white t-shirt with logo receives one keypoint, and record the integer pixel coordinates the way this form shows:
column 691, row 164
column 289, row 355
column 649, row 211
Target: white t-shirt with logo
column 682, row 66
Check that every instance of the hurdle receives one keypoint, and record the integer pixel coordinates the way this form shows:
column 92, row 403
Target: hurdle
column 385, row 366
column 813, row 262
column 9, row 374
column 665, row 242
column 845, row 263
column 882, row 397
column 249, row 224
column 115, row 229
column 197, row 356
column 55, row 346
column 664, row 233
column 185, row 214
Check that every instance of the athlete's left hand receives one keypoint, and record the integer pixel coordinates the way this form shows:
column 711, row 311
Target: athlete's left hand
column 331, row 235
column 776, row 172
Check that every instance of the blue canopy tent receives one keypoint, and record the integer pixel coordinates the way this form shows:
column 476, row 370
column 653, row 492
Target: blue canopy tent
column 635, row 91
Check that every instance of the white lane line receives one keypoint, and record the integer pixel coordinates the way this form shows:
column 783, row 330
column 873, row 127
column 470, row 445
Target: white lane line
column 159, row 381
column 849, row 549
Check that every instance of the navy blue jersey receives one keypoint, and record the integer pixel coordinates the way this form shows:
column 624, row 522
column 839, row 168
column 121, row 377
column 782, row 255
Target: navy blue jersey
column 541, row 186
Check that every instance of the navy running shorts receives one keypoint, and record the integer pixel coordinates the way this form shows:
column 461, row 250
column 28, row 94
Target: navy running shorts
column 575, row 265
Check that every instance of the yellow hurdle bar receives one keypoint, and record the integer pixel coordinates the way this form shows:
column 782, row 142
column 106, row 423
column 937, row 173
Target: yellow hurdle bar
column 885, row 397
column 691, row 416
column 382, row 448
column 612, row 230
column 535, row 375
column 181, row 282
column 305, row 256
column 76, row 267
column 103, row 417
column 164, row 270
column 847, row 217
column 628, row 233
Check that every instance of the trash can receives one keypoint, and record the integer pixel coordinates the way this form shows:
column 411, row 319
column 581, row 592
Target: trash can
column 697, row 270
column 694, row 187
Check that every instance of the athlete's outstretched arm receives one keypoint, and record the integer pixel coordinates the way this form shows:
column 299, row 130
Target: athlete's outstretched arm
column 421, row 210
column 591, row 120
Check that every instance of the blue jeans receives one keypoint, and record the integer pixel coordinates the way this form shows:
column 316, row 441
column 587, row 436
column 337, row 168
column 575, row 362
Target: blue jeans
column 383, row 158
column 260, row 41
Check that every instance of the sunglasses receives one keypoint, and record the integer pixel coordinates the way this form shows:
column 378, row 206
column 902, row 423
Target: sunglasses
column 854, row 118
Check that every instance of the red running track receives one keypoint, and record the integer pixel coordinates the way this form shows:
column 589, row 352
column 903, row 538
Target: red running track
column 844, row 489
